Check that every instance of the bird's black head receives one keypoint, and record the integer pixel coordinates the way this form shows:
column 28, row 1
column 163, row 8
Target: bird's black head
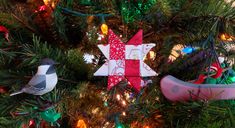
column 48, row 61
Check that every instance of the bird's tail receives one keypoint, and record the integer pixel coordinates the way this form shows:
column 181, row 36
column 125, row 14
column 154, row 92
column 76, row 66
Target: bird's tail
column 16, row 93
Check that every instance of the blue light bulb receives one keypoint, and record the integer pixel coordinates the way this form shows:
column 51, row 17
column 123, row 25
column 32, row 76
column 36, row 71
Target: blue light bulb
column 188, row 50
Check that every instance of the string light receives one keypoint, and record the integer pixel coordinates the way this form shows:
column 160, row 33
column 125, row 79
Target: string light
column 226, row 37
column 31, row 122
column 127, row 95
column 158, row 116
column 100, row 36
column 104, row 28
column 81, row 124
column 124, row 113
column 146, row 127
column 51, row 3
column 152, row 55
column 95, row 110
column 118, row 97
column 106, row 104
column 134, row 124
column 175, row 52
column 124, row 103
column 157, row 99
column 42, row 8
column 188, row 50
column 119, row 125
column 46, row 2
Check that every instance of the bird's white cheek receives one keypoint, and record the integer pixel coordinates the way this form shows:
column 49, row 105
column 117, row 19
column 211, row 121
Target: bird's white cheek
column 42, row 69
column 51, row 81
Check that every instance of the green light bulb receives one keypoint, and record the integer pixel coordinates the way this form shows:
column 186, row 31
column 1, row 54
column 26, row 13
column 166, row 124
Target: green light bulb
column 119, row 125
column 106, row 104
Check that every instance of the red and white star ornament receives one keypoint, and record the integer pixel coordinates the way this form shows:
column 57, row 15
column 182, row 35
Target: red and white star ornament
column 125, row 61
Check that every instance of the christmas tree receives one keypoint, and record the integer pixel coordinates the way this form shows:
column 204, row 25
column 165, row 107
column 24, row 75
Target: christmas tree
column 191, row 40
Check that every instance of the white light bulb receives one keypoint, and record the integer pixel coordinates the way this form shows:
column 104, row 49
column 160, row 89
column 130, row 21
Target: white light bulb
column 118, row 97
column 124, row 103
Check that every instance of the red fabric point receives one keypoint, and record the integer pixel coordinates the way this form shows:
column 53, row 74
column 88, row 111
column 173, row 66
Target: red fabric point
column 137, row 38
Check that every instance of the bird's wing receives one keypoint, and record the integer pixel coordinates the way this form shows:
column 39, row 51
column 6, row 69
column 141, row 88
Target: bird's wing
column 38, row 82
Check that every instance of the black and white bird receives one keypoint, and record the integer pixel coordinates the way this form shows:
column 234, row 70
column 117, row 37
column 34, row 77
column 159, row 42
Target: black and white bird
column 43, row 81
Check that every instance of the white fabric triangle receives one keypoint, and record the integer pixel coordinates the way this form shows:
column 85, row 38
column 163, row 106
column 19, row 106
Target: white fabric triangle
column 105, row 50
column 146, row 48
column 103, row 70
column 145, row 70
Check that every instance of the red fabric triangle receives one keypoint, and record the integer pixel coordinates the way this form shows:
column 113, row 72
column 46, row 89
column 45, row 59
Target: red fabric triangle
column 114, row 80
column 135, row 82
column 137, row 38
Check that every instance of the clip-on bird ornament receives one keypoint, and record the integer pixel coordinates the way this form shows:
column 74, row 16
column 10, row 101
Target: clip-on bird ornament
column 125, row 61
column 43, row 81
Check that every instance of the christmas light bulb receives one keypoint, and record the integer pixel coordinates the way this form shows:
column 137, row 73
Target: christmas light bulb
column 127, row 95
column 152, row 55
column 146, row 127
column 124, row 113
column 106, row 104
column 42, row 8
column 31, row 122
column 124, row 103
column 100, row 36
column 104, row 29
column 119, row 125
column 81, row 124
column 188, row 50
column 46, row 2
column 225, row 37
column 51, row 3
column 95, row 110
column 222, row 37
column 118, row 97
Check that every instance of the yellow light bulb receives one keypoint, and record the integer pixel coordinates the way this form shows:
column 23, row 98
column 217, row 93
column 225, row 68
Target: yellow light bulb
column 46, row 2
column 226, row 37
column 152, row 55
column 104, row 29
column 229, row 39
column 51, row 3
column 222, row 37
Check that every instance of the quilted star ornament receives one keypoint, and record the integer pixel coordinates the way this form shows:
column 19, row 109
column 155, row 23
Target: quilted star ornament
column 125, row 61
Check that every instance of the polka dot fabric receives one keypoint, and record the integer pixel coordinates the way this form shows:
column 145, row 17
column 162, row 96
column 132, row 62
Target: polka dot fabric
column 117, row 48
column 113, row 80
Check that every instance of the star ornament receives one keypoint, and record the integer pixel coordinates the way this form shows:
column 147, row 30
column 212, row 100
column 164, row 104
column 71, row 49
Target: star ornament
column 125, row 61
